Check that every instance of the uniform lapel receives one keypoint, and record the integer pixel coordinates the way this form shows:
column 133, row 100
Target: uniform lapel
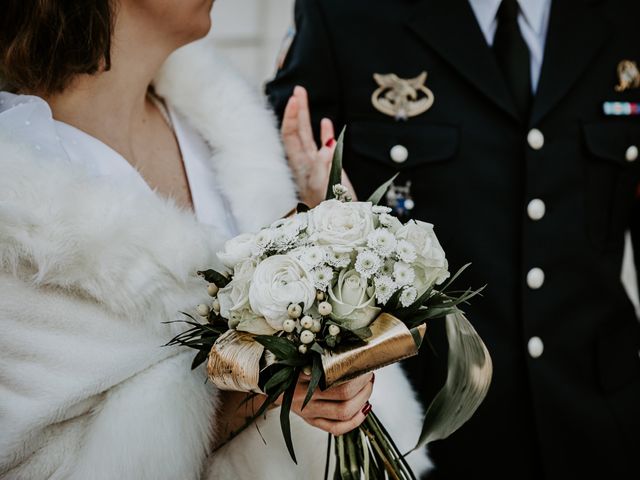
column 450, row 28
column 576, row 34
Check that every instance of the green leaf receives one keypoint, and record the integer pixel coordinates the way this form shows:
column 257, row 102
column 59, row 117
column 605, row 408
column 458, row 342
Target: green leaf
column 417, row 338
column 316, row 375
column 282, row 348
column 468, row 379
column 199, row 359
column 285, row 420
column 278, row 378
column 381, row 190
column 335, row 175
column 454, row 277
column 317, row 348
column 217, row 278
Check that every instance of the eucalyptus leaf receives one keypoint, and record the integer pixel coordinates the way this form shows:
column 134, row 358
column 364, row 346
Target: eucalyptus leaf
column 282, row 348
column 285, row 418
column 278, row 378
column 381, row 190
column 335, row 175
column 316, row 375
column 217, row 278
column 468, row 379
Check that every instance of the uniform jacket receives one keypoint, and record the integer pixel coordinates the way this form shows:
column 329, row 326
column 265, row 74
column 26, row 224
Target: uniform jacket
column 565, row 404
column 89, row 270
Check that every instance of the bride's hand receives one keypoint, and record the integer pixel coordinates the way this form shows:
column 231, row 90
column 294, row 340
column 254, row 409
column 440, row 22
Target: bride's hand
column 337, row 410
column 310, row 165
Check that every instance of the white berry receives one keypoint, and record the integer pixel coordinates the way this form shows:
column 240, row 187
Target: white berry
column 212, row 289
column 306, row 337
column 334, row 330
column 316, row 327
column 306, row 322
column 306, row 370
column 325, row 308
column 215, row 305
column 289, row 325
column 294, row 310
column 320, row 296
column 203, row 310
column 302, row 349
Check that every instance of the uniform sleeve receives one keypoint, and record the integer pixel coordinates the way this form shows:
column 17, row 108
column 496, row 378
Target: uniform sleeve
column 310, row 62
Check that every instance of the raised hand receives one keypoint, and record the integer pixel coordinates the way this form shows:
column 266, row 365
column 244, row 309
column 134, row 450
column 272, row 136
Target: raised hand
column 310, row 165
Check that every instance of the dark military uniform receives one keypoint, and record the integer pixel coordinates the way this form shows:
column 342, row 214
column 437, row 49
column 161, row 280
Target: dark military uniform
column 540, row 205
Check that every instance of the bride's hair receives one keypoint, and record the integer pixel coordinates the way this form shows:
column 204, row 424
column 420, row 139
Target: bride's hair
column 45, row 43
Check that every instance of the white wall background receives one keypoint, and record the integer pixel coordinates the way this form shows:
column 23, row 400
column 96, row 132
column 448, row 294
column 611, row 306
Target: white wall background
column 250, row 33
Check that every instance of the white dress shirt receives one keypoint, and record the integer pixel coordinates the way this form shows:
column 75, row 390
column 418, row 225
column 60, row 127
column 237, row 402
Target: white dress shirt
column 28, row 119
column 533, row 21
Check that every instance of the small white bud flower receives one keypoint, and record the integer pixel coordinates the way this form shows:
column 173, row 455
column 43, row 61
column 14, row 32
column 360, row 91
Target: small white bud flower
column 203, row 310
column 302, row 349
column 289, row 325
column 294, row 310
column 325, row 308
column 316, row 327
column 306, row 322
column 306, row 370
column 320, row 296
column 306, row 337
column 334, row 330
column 212, row 289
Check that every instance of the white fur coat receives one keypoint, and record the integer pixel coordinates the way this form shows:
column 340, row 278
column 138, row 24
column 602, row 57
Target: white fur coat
column 89, row 270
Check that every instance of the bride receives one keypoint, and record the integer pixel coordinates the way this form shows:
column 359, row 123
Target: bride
column 124, row 167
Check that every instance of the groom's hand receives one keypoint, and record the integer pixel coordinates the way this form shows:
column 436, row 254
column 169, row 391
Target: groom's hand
column 337, row 410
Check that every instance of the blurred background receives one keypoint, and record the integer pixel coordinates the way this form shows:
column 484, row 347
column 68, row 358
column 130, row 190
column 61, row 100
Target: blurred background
column 250, row 34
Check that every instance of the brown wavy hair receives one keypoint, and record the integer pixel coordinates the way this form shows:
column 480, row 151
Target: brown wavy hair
column 45, row 43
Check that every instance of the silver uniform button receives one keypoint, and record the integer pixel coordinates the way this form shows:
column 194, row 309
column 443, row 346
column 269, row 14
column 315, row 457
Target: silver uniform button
column 631, row 154
column 535, row 139
column 536, row 209
column 535, row 347
column 535, row 278
column 399, row 153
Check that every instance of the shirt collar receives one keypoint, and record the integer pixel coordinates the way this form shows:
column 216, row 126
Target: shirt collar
column 532, row 11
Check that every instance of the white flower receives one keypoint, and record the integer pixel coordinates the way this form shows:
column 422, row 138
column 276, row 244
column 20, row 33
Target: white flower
column 322, row 277
column 408, row 296
column 286, row 232
column 311, row 257
column 382, row 241
column 406, row 251
column 403, row 273
column 341, row 224
column 337, row 259
column 279, row 281
column 390, row 222
column 353, row 301
column 237, row 250
column 379, row 209
column 235, row 296
column 430, row 256
column 368, row 263
column 264, row 240
column 387, row 267
column 385, row 288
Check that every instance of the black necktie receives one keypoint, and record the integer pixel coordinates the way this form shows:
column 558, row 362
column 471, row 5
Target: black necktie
column 512, row 54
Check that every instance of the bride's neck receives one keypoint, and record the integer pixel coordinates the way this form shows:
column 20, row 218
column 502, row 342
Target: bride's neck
column 113, row 105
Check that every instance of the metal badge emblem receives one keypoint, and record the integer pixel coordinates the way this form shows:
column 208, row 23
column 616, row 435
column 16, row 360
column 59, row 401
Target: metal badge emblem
column 628, row 76
column 399, row 199
column 401, row 98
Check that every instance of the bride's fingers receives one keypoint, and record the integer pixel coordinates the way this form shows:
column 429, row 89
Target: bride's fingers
column 290, row 117
column 337, row 411
column 347, row 390
column 305, row 132
column 337, row 428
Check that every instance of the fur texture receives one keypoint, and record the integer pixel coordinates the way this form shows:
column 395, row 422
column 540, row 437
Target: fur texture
column 89, row 270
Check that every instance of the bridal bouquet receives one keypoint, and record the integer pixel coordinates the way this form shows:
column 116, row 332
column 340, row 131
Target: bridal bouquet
column 338, row 291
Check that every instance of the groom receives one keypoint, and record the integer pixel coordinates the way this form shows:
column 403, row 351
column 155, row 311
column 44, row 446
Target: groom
column 520, row 143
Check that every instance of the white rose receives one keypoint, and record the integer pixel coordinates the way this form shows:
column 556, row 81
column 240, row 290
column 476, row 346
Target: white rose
column 237, row 250
column 341, row 224
column 431, row 262
column 235, row 296
column 278, row 282
column 353, row 301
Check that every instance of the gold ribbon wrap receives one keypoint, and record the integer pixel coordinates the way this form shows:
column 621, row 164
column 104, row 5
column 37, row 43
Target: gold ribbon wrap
column 234, row 360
